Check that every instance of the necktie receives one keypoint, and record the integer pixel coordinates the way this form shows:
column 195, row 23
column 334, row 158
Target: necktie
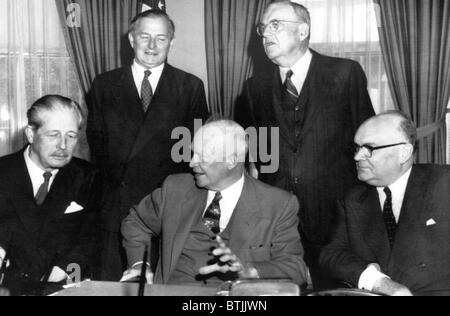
column 291, row 93
column 43, row 189
column 211, row 219
column 146, row 91
column 388, row 216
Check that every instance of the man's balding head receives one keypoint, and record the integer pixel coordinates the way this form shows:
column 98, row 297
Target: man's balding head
column 219, row 151
column 396, row 135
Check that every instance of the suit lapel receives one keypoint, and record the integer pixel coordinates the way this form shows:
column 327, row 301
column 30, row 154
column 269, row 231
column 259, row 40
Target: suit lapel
column 413, row 215
column 190, row 209
column 245, row 217
column 164, row 103
column 25, row 203
column 272, row 105
column 126, row 101
column 370, row 216
column 310, row 99
column 57, row 200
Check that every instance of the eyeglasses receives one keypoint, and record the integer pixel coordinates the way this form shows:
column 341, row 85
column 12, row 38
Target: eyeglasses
column 368, row 150
column 274, row 26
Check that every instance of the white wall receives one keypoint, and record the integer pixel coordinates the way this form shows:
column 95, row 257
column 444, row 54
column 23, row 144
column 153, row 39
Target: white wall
column 189, row 51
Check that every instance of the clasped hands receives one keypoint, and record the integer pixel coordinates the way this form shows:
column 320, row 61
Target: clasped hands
column 228, row 262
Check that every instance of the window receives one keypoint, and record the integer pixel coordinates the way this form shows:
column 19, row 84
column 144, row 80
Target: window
column 33, row 62
column 348, row 29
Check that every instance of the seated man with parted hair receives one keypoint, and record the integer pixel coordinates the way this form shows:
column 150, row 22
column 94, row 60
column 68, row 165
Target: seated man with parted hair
column 218, row 224
column 47, row 198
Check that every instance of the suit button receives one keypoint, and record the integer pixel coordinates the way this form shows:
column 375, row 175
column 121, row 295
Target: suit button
column 123, row 184
column 25, row 275
column 422, row 266
column 296, row 180
column 297, row 108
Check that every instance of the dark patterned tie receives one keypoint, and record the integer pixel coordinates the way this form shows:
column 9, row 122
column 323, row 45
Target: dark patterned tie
column 211, row 219
column 146, row 91
column 388, row 216
column 291, row 93
column 43, row 189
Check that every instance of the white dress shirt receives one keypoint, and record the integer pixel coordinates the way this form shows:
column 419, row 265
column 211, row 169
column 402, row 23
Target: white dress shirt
column 371, row 275
column 230, row 198
column 139, row 74
column 36, row 173
column 300, row 70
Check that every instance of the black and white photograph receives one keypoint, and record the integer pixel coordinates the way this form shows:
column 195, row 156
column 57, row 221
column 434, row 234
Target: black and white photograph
column 224, row 152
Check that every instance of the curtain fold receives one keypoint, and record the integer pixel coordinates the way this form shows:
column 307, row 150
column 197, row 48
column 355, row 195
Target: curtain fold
column 415, row 38
column 33, row 62
column 97, row 41
column 230, row 40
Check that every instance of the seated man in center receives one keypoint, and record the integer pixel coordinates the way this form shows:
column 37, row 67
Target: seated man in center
column 218, row 225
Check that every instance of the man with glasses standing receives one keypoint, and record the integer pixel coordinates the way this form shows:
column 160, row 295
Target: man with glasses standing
column 393, row 232
column 317, row 102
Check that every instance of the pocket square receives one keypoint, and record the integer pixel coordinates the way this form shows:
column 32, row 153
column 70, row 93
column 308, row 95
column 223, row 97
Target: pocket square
column 431, row 222
column 74, row 208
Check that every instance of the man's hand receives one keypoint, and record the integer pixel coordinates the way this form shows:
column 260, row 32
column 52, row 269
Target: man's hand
column 229, row 262
column 386, row 286
column 135, row 272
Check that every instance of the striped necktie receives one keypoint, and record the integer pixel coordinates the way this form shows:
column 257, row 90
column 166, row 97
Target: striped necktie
column 146, row 91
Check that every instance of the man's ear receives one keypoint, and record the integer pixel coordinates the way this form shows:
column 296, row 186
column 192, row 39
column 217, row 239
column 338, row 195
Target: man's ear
column 304, row 31
column 232, row 162
column 406, row 153
column 131, row 39
column 29, row 133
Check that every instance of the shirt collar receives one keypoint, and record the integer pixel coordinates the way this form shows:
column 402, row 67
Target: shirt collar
column 300, row 68
column 32, row 167
column 139, row 69
column 233, row 191
column 399, row 186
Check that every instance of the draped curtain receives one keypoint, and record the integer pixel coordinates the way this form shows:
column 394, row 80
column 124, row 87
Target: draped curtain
column 96, row 34
column 33, row 62
column 415, row 37
column 230, row 41
column 348, row 29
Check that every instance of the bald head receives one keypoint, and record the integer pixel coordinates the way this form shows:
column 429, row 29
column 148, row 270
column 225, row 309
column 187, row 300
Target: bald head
column 219, row 151
column 385, row 148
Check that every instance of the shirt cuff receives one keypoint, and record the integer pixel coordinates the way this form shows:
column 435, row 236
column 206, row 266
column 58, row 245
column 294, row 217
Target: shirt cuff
column 138, row 263
column 369, row 278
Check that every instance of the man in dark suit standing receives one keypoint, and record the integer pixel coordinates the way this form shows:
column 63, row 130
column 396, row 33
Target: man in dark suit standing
column 317, row 102
column 251, row 227
column 47, row 198
column 133, row 111
column 393, row 232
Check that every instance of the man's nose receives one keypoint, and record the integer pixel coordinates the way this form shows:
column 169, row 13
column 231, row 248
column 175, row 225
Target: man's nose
column 62, row 142
column 152, row 43
column 359, row 155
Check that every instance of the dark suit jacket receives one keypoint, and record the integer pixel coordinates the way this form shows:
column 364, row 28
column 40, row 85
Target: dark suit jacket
column 265, row 231
column 38, row 238
column 317, row 165
column 420, row 258
column 133, row 149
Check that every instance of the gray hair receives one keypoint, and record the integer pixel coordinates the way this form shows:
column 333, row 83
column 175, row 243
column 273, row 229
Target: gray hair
column 51, row 103
column 151, row 14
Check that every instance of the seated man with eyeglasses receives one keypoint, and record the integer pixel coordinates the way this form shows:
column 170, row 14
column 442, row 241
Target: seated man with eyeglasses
column 393, row 231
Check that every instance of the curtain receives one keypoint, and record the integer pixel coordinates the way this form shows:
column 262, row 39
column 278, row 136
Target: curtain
column 348, row 29
column 96, row 34
column 33, row 62
column 415, row 38
column 230, row 40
